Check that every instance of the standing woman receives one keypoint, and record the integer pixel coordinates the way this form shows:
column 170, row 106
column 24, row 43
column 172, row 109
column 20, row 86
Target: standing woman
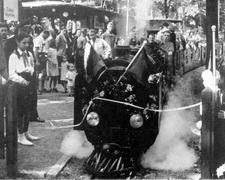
column 21, row 71
column 52, row 66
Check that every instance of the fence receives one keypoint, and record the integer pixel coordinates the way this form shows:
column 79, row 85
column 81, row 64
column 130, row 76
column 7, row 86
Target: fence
column 190, row 59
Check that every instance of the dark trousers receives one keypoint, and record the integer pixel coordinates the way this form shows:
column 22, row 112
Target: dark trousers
column 33, row 115
column 25, row 102
column 60, row 60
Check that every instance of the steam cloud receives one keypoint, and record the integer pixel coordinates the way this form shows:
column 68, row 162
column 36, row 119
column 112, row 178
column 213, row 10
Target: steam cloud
column 76, row 144
column 142, row 9
column 170, row 150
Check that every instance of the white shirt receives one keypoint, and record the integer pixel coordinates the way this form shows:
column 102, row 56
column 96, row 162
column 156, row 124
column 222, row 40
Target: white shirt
column 40, row 43
column 3, row 80
column 70, row 76
column 101, row 47
column 17, row 66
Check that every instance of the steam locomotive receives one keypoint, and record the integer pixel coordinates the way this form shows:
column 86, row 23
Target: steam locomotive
column 119, row 114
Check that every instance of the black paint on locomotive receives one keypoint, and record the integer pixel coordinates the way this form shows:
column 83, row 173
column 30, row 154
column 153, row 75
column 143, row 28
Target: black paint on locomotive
column 117, row 145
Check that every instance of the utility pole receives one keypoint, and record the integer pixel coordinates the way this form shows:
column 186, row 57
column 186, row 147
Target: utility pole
column 211, row 19
column 127, row 17
column 1, row 10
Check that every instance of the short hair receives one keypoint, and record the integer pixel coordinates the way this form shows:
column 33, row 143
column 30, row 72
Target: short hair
column 84, row 31
column 53, row 33
column 46, row 32
column 92, row 31
column 110, row 24
column 151, row 34
column 4, row 25
column 165, row 24
column 63, row 27
column 70, row 65
column 22, row 36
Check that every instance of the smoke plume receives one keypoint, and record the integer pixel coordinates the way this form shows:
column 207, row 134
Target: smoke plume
column 142, row 18
column 170, row 150
column 76, row 144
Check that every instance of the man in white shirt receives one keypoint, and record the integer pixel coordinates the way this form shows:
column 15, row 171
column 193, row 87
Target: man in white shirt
column 61, row 46
column 101, row 47
column 39, row 53
column 108, row 35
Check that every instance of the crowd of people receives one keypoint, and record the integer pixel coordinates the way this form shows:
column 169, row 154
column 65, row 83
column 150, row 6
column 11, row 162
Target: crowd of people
column 170, row 38
column 38, row 60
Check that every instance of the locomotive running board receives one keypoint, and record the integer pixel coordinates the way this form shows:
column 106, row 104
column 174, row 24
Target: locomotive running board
column 111, row 161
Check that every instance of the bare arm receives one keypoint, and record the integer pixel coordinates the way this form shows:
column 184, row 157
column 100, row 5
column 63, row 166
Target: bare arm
column 36, row 49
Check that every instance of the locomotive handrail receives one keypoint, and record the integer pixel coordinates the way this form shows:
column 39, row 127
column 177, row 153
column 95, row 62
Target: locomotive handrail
column 139, row 107
column 71, row 126
column 119, row 102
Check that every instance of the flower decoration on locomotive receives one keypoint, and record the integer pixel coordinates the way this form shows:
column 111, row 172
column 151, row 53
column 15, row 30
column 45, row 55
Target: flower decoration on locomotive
column 127, row 91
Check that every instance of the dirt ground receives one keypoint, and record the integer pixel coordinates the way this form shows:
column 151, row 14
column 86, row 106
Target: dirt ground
column 35, row 161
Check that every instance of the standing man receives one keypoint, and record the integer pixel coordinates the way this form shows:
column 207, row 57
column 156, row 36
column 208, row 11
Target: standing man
column 101, row 47
column 80, row 46
column 40, row 50
column 159, row 35
column 4, row 31
column 108, row 35
column 168, row 47
column 100, row 32
column 61, row 46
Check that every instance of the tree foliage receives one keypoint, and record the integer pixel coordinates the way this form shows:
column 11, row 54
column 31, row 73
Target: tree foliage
column 191, row 11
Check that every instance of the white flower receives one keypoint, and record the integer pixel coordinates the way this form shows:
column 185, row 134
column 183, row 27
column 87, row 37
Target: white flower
column 102, row 93
column 129, row 87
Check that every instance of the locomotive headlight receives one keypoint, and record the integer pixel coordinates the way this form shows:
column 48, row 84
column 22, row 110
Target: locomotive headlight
column 92, row 119
column 136, row 121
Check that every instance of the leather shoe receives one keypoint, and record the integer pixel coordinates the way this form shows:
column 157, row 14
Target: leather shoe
column 40, row 120
column 30, row 137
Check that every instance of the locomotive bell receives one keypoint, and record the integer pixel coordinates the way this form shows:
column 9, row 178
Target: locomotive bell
column 136, row 121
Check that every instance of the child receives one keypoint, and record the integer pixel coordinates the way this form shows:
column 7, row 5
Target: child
column 70, row 76
column 21, row 71
column 64, row 70
column 52, row 66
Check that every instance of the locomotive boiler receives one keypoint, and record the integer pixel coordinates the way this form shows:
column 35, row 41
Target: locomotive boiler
column 117, row 110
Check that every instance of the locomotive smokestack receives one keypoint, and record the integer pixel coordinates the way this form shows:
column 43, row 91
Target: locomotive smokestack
column 170, row 150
